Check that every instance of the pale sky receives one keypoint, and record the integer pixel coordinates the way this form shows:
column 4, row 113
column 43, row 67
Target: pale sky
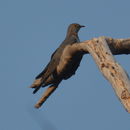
column 30, row 31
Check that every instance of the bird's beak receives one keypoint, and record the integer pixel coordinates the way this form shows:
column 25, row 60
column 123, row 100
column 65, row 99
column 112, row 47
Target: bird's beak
column 82, row 26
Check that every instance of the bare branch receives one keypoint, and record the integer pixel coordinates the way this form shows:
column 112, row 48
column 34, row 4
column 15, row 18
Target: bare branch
column 117, row 46
column 112, row 71
column 46, row 94
column 101, row 50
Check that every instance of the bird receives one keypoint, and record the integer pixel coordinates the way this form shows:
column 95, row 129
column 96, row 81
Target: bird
column 57, row 69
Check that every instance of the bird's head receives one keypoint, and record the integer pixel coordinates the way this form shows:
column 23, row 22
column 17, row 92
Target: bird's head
column 74, row 28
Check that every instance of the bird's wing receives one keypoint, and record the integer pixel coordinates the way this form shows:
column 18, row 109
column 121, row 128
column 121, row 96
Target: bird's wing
column 51, row 66
column 54, row 53
column 62, row 46
column 49, row 69
column 55, row 58
column 39, row 75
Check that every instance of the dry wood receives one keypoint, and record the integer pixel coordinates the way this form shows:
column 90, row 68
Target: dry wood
column 117, row 46
column 46, row 94
column 101, row 50
column 112, row 71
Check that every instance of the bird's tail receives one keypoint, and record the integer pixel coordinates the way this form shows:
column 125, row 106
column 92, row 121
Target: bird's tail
column 41, row 82
column 36, row 89
column 37, row 85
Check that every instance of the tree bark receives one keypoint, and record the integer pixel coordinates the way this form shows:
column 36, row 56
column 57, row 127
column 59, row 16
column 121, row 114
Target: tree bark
column 111, row 70
column 46, row 94
column 101, row 50
column 116, row 46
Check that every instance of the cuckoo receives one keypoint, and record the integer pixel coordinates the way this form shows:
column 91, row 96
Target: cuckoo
column 59, row 68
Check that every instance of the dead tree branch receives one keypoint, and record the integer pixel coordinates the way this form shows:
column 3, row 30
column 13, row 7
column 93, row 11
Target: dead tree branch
column 101, row 50
column 116, row 46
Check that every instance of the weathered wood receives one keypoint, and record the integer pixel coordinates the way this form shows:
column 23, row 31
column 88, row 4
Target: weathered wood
column 101, row 50
column 112, row 71
column 118, row 46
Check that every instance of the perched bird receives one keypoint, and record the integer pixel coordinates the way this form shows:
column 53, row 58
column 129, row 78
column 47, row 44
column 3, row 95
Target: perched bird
column 58, row 69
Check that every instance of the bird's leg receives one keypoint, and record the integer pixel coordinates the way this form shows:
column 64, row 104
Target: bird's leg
column 46, row 94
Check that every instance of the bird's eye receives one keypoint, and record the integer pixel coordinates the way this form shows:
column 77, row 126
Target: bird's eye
column 76, row 25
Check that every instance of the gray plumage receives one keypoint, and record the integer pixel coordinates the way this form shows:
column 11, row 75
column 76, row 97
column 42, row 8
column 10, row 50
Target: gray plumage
column 50, row 75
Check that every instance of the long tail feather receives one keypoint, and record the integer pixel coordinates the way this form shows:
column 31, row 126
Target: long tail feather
column 36, row 85
column 36, row 89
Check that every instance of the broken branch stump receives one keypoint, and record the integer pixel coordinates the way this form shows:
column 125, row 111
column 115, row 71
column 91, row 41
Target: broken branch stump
column 46, row 94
